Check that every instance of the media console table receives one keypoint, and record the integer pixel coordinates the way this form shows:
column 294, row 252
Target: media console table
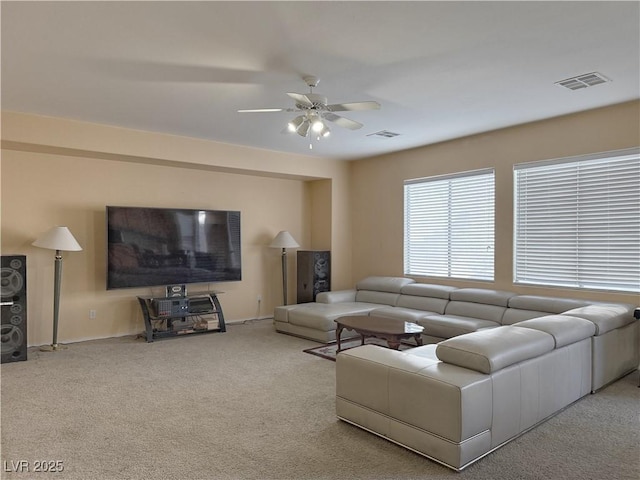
column 166, row 317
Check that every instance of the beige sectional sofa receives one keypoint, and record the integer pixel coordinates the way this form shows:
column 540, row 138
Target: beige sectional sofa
column 498, row 364
column 446, row 312
column 456, row 401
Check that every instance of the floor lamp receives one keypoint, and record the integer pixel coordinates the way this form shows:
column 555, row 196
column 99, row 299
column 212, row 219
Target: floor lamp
column 59, row 239
column 284, row 240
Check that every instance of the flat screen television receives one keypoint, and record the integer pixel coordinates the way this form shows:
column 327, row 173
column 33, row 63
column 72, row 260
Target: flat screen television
column 165, row 246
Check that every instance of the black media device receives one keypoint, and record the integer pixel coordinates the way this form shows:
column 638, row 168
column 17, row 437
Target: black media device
column 200, row 304
column 166, row 307
column 176, row 290
column 171, row 246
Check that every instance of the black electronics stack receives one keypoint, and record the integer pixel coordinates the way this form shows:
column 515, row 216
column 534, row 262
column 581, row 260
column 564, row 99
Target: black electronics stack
column 314, row 274
column 13, row 285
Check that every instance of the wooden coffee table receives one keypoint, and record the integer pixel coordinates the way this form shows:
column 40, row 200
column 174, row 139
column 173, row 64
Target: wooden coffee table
column 390, row 329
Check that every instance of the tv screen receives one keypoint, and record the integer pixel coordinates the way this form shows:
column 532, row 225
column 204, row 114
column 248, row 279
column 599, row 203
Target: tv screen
column 164, row 246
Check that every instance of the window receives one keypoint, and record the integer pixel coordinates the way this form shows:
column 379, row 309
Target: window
column 577, row 222
column 449, row 226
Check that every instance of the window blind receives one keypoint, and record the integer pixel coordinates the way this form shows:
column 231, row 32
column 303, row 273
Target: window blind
column 449, row 226
column 577, row 222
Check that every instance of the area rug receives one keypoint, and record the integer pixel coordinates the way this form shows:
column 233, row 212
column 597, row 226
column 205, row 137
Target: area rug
column 328, row 350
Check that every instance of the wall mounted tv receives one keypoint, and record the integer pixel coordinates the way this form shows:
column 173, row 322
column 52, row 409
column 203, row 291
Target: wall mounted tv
column 164, row 246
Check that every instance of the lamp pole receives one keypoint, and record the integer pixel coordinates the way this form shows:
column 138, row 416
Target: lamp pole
column 284, row 275
column 56, row 297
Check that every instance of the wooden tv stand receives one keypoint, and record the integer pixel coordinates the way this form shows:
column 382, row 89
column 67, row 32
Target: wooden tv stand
column 166, row 317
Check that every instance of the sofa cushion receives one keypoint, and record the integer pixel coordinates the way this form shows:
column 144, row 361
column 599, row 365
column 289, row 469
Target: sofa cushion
column 482, row 295
column 515, row 315
column 426, row 351
column 281, row 313
column 428, row 304
column 372, row 296
column 321, row 316
column 427, row 290
column 401, row 313
column 336, row 296
column 447, row 326
column 545, row 304
column 475, row 310
column 383, row 284
column 606, row 317
column 563, row 328
column 491, row 350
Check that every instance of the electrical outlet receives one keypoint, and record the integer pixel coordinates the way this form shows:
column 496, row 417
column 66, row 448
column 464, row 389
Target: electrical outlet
column 92, row 314
column 259, row 298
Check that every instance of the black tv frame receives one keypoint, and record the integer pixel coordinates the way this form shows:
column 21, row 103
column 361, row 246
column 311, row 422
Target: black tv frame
column 155, row 246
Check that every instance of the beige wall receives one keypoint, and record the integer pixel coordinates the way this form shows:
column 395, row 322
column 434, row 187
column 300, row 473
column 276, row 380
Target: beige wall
column 377, row 193
column 59, row 172
column 320, row 211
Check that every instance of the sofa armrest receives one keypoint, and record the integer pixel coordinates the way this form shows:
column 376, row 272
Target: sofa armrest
column 606, row 317
column 443, row 400
column 488, row 351
column 336, row 297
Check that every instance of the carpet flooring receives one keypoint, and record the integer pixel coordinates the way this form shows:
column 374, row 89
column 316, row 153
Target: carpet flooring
column 248, row 404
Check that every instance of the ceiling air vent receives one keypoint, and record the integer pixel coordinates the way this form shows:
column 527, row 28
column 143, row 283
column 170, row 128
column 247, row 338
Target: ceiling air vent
column 383, row 134
column 583, row 81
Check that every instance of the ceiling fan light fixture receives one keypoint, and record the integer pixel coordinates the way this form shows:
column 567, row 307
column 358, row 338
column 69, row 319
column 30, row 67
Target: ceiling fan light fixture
column 317, row 125
column 294, row 124
column 315, row 111
column 303, row 129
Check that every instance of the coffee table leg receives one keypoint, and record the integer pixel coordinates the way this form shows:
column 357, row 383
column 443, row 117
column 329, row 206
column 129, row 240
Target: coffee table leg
column 339, row 329
column 395, row 344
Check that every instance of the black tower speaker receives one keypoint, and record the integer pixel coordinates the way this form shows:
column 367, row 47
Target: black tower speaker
column 314, row 274
column 13, row 285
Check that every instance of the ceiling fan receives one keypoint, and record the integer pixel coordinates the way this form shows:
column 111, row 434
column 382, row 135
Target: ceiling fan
column 314, row 109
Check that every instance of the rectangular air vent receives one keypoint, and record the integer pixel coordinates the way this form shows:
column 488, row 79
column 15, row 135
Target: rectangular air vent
column 383, row 134
column 583, row 81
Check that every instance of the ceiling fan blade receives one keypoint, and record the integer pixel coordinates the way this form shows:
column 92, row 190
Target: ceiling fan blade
column 354, row 106
column 342, row 122
column 301, row 99
column 263, row 110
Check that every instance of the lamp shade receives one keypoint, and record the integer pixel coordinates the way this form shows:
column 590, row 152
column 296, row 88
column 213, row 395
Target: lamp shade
column 284, row 240
column 58, row 238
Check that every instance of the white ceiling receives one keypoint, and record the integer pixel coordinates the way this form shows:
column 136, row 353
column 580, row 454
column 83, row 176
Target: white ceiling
column 440, row 70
